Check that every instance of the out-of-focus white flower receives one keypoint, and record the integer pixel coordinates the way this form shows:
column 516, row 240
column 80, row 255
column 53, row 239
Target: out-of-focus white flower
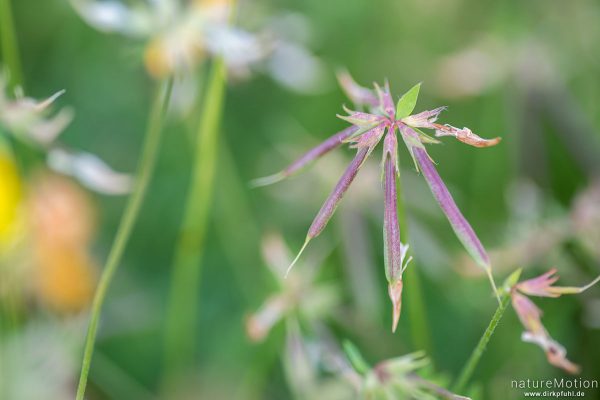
column 179, row 38
column 472, row 70
column 139, row 20
column 28, row 120
column 294, row 67
column 90, row 170
column 290, row 63
column 490, row 62
column 297, row 294
column 313, row 366
column 186, row 89
column 240, row 49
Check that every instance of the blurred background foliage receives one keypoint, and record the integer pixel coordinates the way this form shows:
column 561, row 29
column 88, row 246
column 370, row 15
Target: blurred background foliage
column 526, row 71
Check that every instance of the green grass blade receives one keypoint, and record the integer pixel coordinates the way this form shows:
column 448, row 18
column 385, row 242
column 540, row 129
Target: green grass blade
column 144, row 174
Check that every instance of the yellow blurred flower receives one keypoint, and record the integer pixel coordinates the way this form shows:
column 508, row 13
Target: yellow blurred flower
column 65, row 278
column 10, row 199
column 62, row 223
column 200, row 29
column 181, row 47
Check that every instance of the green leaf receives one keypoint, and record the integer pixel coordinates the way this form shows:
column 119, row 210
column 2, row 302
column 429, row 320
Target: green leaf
column 407, row 102
column 356, row 359
column 512, row 279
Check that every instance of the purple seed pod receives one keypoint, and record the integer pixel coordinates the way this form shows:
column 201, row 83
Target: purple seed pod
column 440, row 192
column 313, row 154
column 459, row 224
column 328, row 208
column 385, row 100
column 392, row 247
column 382, row 118
column 394, row 252
column 359, row 95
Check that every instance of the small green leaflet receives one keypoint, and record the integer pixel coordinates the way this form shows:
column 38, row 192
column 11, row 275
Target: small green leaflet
column 356, row 359
column 512, row 279
column 407, row 102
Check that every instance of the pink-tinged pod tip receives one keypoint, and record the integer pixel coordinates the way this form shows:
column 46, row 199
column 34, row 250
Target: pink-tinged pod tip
column 531, row 316
column 543, row 286
column 395, row 293
column 307, row 158
column 535, row 332
column 540, row 286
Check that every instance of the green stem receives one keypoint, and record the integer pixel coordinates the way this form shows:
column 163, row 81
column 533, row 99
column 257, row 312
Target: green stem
column 471, row 364
column 416, row 309
column 144, row 173
column 9, row 45
column 183, row 297
column 25, row 155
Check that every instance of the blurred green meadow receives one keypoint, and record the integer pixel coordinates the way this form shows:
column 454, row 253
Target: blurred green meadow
column 525, row 71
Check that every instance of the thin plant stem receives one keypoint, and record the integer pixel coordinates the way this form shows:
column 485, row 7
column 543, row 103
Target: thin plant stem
column 145, row 170
column 9, row 45
column 471, row 364
column 419, row 330
column 182, row 307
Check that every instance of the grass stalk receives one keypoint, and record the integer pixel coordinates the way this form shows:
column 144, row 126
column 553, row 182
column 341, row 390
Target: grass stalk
column 144, row 173
column 469, row 368
column 182, row 306
column 9, row 45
